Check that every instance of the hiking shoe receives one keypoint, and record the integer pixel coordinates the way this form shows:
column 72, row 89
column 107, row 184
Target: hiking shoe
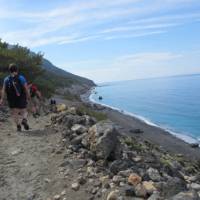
column 25, row 124
column 19, row 128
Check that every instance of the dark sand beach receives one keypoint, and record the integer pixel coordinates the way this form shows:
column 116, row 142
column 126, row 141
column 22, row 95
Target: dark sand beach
column 153, row 134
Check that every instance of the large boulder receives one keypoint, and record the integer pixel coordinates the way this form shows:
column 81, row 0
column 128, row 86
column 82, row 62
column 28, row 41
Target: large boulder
column 103, row 140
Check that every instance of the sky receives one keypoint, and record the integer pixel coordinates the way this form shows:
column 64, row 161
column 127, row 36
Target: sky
column 108, row 40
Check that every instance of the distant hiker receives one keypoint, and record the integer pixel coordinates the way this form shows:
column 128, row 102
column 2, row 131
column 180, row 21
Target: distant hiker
column 16, row 89
column 36, row 98
column 53, row 105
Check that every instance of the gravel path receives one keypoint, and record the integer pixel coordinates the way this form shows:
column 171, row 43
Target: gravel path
column 27, row 170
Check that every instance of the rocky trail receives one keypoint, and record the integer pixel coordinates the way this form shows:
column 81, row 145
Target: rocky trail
column 72, row 156
column 26, row 162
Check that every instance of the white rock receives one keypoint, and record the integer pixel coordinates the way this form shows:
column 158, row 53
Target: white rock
column 56, row 197
column 75, row 186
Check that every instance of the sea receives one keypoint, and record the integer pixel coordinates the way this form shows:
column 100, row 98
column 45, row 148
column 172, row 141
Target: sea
column 172, row 103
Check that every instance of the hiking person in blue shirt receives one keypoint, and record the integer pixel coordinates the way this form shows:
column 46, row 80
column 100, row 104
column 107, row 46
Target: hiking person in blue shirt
column 16, row 89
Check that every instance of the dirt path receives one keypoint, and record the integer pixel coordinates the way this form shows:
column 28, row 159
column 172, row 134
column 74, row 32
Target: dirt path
column 28, row 167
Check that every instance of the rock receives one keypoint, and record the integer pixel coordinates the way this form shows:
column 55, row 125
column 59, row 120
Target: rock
column 75, row 186
column 136, row 131
column 117, row 179
column 155, row 196
column 105, row 181
column 129, row 191
column 90, row 121
column 125, row 173
column 94, row 190
column 81, row 180
column 78, row 140
column 61, row 107
column 134, row 179
column 72, row 110
column 69, row 120
column 113, row 195
column 137, row 159
column 171, row 187
column 79, row 129
column 190, row 195
column 103, row 141
column 120, row 165
column 154, row 174
column 56, row 197
column 149, row 187
column 195, row 186
column 77, row 163
column 140, row 190
column 16, row 152
column 64, row 192
column 194, row 145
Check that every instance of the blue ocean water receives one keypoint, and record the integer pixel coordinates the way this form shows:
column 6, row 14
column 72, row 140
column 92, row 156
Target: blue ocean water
column 172, row 103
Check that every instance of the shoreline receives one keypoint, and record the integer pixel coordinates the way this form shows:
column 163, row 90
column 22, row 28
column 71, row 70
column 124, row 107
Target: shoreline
column 150, row 132
column 186, row 138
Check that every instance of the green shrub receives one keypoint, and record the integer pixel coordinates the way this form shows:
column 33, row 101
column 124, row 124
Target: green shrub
column 99, row 116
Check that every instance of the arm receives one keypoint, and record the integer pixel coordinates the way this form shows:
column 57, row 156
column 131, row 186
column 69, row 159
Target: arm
column 39, row 95
column 28, row 96
column 2, row 94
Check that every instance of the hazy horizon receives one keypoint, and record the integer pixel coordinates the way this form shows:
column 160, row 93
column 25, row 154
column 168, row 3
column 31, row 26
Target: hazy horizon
column 108, row 40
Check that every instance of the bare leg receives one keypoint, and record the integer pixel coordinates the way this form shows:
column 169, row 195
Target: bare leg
column 24, row 113
column 15, row 115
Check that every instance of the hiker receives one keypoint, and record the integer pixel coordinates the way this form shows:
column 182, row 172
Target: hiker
column 16, row 89
column 36, row 98
column 53, row 105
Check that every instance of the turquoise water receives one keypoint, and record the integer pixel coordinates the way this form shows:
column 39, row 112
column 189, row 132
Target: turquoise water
column 172, row 103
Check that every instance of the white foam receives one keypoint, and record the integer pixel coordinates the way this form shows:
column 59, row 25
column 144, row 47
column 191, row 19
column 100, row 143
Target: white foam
column 182, row 136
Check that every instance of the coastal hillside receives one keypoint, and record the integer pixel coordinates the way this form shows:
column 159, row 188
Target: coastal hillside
column 39, row 70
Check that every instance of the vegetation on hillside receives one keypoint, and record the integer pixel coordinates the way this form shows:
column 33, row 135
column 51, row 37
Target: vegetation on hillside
column 36, row 69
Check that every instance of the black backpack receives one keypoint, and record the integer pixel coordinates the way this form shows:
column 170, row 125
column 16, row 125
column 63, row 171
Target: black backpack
column 14, row 88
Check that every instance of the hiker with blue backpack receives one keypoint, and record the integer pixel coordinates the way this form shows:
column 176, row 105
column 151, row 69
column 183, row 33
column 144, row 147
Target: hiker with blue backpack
column 16, row 88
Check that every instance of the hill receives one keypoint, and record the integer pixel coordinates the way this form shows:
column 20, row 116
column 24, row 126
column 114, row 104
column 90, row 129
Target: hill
column 39, row 70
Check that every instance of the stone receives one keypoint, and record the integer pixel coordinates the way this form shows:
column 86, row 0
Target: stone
column 155, row 196
column 140, row 190
column 194, row 145
column 129, row 191
column 64, row 192
column 190, row 195
column 171, row 187
column 75, row 186
column 154, row 174
column 56, row 197
column 81, row 180
column 71, row 110
column 134, row 179
column 79, row 129
column 136, row 131
column 78, row 139
column 16, row 152
column 113, row 195
column 149, row 187
column 137, row 159
column 117, row 179
column 125, row 173
column 103, row 141
column 195, row 186
column 120, row 165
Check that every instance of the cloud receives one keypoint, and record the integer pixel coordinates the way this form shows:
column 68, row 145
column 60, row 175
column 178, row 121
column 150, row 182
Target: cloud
column 133, row 66
column 79, row 21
